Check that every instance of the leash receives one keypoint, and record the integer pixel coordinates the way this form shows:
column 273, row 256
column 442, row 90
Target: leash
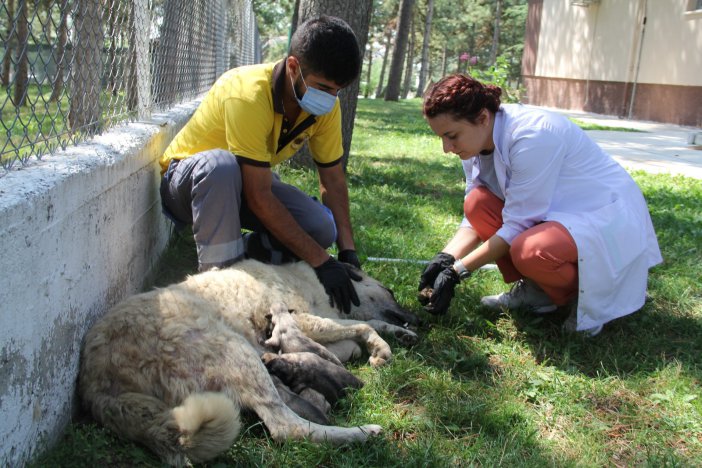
column 489, row 266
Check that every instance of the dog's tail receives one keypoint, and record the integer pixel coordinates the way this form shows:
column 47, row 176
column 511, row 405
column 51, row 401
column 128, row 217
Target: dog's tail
column 208, row 423
column 202, row 427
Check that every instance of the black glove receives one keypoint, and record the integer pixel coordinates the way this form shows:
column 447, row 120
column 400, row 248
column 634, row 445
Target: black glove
column 349, row 256
column 439, row 262
column 336, row 279
column 444, row 286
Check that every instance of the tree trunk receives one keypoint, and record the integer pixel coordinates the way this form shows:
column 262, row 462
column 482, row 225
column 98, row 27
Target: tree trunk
column 496, row 32
column 112, row 68
column 60, row 57
column 131, row 69
column 430, row 79
column 295, row 19
column 388, row 42
column 166, row 70
column 410, row 62
column 86, row 70
column 392, row 93
column 22, row 74
column 357, row 15
column 424, row 67
column 366, row 92
column 7, row 60
column 444, row 61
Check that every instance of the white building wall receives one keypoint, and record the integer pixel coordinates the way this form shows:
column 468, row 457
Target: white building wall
column 79, row 231
column 601, row 42
column 672, row 45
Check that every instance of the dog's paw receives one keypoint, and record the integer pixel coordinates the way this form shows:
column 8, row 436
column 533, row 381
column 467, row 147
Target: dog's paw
column 376, row 361
column 406, row 337
column 372, row 430
column 268, row 357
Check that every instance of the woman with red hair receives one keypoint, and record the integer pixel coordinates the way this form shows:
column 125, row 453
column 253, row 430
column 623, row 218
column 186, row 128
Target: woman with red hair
column 561, row 219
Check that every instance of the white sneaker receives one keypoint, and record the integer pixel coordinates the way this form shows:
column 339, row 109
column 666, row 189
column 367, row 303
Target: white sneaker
column 571, row 323
column 523, row 294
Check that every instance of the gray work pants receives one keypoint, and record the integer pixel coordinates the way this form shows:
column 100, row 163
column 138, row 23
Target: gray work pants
column 205, row 190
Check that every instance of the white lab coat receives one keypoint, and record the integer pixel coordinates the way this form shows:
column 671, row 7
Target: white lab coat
column 550, row 170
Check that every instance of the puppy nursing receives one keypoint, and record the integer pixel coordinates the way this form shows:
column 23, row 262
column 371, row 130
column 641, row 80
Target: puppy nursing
column 172, row 367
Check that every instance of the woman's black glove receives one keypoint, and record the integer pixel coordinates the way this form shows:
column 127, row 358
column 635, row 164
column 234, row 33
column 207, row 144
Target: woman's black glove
column 336, row 279
column 349, row 256
column 442, row 294
column 439, row 262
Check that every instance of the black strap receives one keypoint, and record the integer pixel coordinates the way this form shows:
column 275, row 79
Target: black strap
column 304, row 125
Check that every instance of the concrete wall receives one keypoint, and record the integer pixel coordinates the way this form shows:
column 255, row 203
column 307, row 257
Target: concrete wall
column 79, row 231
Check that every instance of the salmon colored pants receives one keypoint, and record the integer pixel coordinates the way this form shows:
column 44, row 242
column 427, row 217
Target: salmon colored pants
column 545, row 253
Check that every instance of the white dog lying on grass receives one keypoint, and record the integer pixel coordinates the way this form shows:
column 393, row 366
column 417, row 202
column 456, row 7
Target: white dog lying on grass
column 171, row 368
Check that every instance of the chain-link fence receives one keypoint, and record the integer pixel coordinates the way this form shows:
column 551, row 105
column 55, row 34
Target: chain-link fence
column 72, row 68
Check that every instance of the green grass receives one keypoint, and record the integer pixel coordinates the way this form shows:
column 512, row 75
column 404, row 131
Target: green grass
column 592, row 126
column 482, row 387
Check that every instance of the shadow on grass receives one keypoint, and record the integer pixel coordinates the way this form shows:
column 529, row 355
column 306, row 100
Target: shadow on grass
column 637, row 345
column 454, row 386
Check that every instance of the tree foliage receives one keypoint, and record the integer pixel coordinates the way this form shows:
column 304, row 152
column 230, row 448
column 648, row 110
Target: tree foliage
column 274, row 22
column 465, row 37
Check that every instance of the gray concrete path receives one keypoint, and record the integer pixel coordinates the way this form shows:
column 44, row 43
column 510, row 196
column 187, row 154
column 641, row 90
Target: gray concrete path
column 657, row 148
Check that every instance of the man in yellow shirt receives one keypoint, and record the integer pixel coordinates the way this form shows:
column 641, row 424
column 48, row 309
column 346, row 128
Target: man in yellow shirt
column 217, row 172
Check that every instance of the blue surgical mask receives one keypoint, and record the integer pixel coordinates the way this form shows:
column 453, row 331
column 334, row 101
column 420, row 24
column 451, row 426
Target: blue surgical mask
column 314, row 101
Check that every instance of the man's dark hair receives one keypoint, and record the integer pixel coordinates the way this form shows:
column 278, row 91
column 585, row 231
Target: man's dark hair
column 327, row 46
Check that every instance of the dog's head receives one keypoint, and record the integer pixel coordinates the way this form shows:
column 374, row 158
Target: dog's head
column 378, row 302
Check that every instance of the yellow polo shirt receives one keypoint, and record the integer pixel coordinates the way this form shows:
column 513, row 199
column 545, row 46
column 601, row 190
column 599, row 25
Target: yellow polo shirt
column 242, row 113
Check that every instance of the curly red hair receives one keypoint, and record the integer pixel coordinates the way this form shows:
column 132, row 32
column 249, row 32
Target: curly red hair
column 461, row 96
